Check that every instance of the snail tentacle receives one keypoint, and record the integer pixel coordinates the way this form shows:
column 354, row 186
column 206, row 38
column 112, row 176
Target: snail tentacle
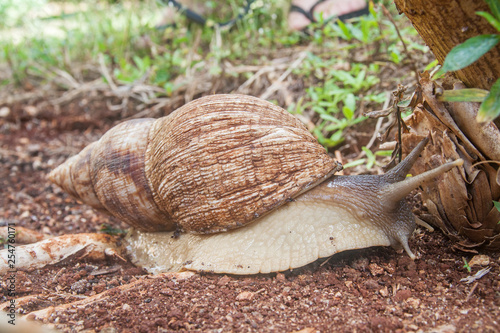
column 398, row 191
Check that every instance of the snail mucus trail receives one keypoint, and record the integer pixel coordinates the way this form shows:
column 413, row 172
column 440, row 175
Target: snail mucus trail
column 249, row 187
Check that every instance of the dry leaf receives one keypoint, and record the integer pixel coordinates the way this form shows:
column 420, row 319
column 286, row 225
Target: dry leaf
column 477, row 276
column 459, row 202
column 480, row 259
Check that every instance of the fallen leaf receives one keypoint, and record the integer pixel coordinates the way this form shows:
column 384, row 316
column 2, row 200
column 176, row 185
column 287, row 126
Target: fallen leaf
column 480, row 259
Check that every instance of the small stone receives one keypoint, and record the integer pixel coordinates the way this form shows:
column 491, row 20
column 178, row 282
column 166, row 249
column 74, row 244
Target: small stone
column 280, row 277
column 175, row 313
column 126, row 307
column 447, row 328
column 31, row 110
column 245, row 296
column 379, row 323
column 413, row 302
column 375, row 269
column 223, row 280
column 4, row 112
column 402, row 295
column 306, row 330
column 390, row 268
column 371, row 284
column 31, row 316
column 79, row 286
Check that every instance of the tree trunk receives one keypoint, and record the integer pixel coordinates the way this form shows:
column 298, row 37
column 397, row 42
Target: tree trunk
column 444, row 24
column 461, row 202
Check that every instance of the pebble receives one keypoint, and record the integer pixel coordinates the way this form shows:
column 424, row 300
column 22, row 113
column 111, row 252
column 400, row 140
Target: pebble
column 375, row 269
column 402, row 295
column 245, row 296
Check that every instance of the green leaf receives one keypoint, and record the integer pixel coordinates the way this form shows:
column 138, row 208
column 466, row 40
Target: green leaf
column 497, row 205
column 404, row 103
column 356, row 32
column 490, row 108
column 347, row 34
column 339, row 124
column 349, row 106
column 337, row 137
column 466, row 265
column 464, row 95
column 357, row 120
column 431, row 65
column 370, row 156
column 494, row 7
column 491, row 20
column 318, row 109
column 366, row 28
column 378, row 98
column 469, row 51
column 395, row 56
column 383, row 153
column 354, row 163
column 331, row 118
column 372, row 9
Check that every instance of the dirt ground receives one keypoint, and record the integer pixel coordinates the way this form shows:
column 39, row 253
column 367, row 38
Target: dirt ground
column 370, row 290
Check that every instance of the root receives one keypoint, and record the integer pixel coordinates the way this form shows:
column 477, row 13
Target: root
column 55, row 250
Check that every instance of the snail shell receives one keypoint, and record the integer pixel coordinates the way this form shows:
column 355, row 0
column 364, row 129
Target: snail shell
column 214, row 164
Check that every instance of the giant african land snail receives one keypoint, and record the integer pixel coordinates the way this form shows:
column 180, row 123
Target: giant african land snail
column 250, row 186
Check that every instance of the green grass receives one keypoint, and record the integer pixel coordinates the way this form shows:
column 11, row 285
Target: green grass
column 340, row 72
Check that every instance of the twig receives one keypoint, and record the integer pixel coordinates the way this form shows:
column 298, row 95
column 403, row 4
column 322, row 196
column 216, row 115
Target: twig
column 70, row 79
column 408, row 54
column 379, row 122
column 269, row 91
column 190, row 69
column 160, row 103
column 96, row 85
column 254, row 77
column 471, row 291
column 22, row 97
column 105, row 73
column 250, row 68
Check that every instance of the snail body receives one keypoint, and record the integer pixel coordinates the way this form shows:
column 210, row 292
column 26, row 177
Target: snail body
column 244, row 183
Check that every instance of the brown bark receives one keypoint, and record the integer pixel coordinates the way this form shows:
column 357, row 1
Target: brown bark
column 444, row 24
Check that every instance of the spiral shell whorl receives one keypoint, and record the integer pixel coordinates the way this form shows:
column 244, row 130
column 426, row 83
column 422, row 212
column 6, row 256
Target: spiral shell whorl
column 117, row 165
column 109, row 175
column 222, row 161
column 73, row 176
